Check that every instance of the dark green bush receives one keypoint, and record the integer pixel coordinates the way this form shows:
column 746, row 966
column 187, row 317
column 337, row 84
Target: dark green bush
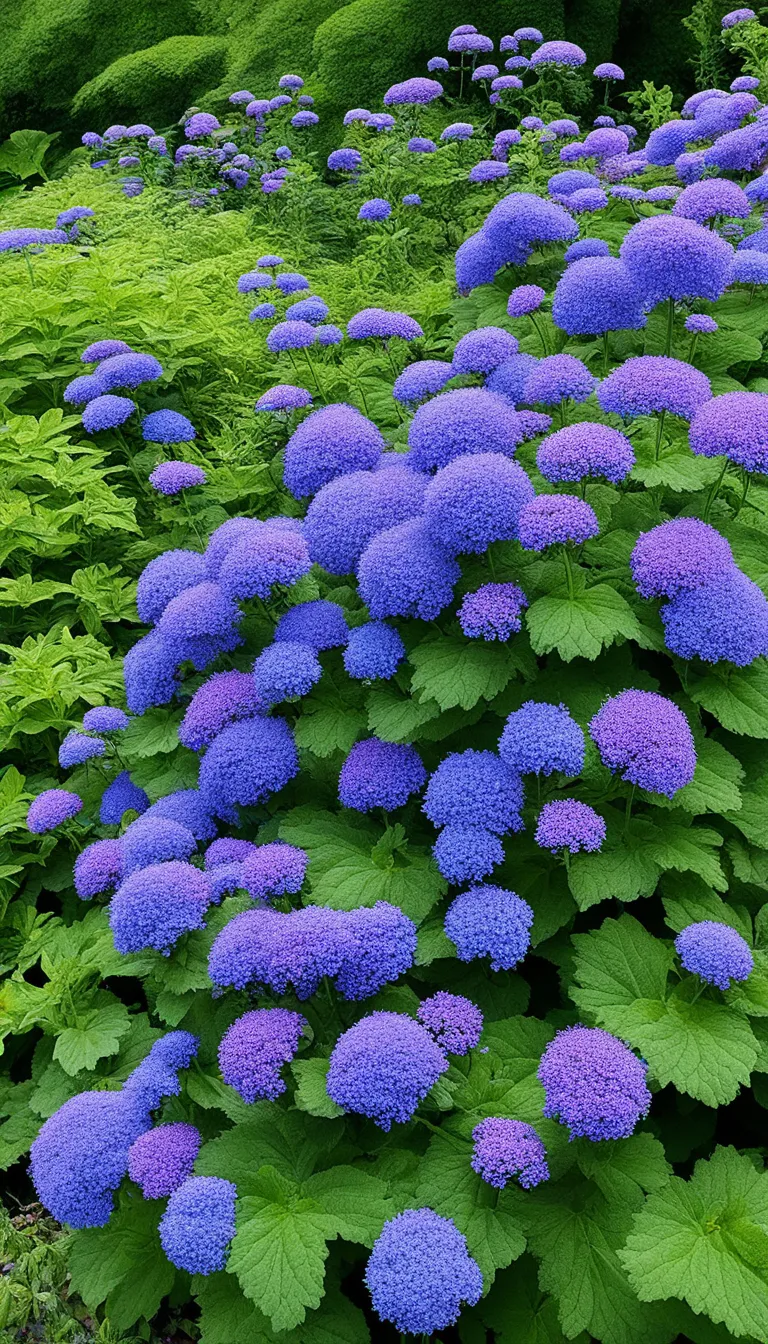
column 153, row 83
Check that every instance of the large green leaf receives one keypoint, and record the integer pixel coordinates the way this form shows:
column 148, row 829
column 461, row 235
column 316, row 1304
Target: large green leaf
column 737, row 697
column 583, row 625
column 487, row 1218
column 123, row 1263
column 98, row 1034
column 454, row 671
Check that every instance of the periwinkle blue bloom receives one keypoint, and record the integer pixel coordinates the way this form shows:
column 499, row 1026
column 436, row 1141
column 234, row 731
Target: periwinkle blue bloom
column 558, row 53
column 246, row 763
column 647, row 739
column 77, row 748
column 107, row 412
column 227, row 850
column 648, row 384
column 608, row 70
column 420, row 1273
column 455, row 1023
column 129, row 161
column 404, row 572
column 284, row 397
column 190, row 809
column 656, row 195
column 382, row 1067
column 563, row 126
column 255, row 1048
column 488, row 170
column 50, row 808
column 385, row 947
column 594, row 1084
column 328, row 334
column 596, row 295
column 201, row 124
column 704, row 201
column 568, row 824
column 380, row 324
column 525, row 299
column 170, row 478
column 150, row 673
column 690, row 167
column 540, row 738
column 167, row 427
column 745, row 84
column 494, row 611
column 475, row 788
column 98, row 868
column 240, row 96
column 411, row 92
column 467, row 38
column 506, row 1150
column 583, row 450
column 715, row 952
column 734, row 424
column 355, row 114
column 283, row 153
column 285, row 671
column 304, row 118
column 488, row 921
column 672, row 258
column 128, row 370
column 476, row 500
column 153, row 839
column 331, row 441
column 503, row 142
column 458, row 130
column 380, row 121
column 274, row 869
column 420, row 144
column 509, row 379
column 321, row 624
column 226, row 879
column 437, row 63
column 164, row 578
column 290, row 282
column 291, row 335
column 91, row 140
column 262, row 310
column 736, row 16
column 749, row 268
column 482, row 350
column 198, row 1224
column 161, row 1158
column 12, row 240
column 262, row 560
column 105, row 719
column 155, row 905
column 349, row 512
column 622, row 193
column 467, row 853
column 252, row 280
column 200, row 624
column 345, row 160
column 587, row 247
column 467, row 420
column 99, row 350
column 757, row 189
column 376, row 209
column 725, row 620
column 380, row 774
column 420, row 380
column 679, row 556
column 119, row 797
column 557, row 378
column 505, row 82
column 374, row 651
column 482, row 72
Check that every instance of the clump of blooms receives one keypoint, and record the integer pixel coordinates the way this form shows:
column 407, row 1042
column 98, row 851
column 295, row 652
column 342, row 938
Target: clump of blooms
column 494, row 611
column 648, row 739
column 255, row 1048
column 455, row 1022
column 420, row 1272
column 383, row 1066
column 540, row 738
column 488, row 921
column 506, row 1150
column 568, row 824
column 715, row 952
column 380, row 774
column 594, row 1084
column 162, row 1158
column 198, row 1224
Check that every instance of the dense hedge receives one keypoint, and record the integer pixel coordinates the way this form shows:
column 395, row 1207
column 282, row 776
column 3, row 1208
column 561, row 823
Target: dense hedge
column 165, row 77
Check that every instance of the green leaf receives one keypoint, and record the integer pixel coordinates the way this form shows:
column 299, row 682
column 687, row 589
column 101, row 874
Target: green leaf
column 454, row 671
column 79, row 1048
column 149, row 734
column 693, row 901
column 290, row 1141
column 518, row 1312
column 396, row 717
column 123, row 1263
column 432, row 942
column 311, row 1094
column 625, row 1169
column 705, row 1241
column 676, row 469
column 356, row 1204
column 618, row 964
column 227, row 1317
column 687, row 849
column 23, row 153
column 328, row 724
column 738, row 698
column 752, row 816
column 487, row 1218
column 20, row 1129
column 580, row 626
column 623, row 870
column 715, row 784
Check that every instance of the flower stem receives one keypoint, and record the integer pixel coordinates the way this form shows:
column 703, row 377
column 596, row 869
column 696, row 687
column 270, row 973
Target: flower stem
column 568, row 573
column 628, row 813
column 670, row 325
column 659, row 435
column 715, row 490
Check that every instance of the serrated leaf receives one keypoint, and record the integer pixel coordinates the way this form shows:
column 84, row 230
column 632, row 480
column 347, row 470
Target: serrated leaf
column 487, row 1217
column 290, row 1141
column 618, row 964
column 518, row 1312
column 694, row 902
column 311, row 1094
column 395, row 717
column 100, row 1033
column 326, row 724
column 355, row 1203
column 580, row 626
column 227, row 1317
column 623, row 870
column 279, row 1252
column 625, row 1170
column 432, row 942
column 715, row 784
column 459, row 672
column 738, row 698
column 150, row 734
column 123, row 1263
column 687, row 849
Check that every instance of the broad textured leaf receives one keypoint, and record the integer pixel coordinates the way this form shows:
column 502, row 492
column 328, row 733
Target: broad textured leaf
column 488, row 1219
column 623, row 870
column 738, row 698
column 100, row 1033
column 617, row 964
column 715, row 785
column 279, row 1251
column 123, row 1263
column 396, row 717
column 311, row 1093
column 149, row 734
column 517, row 1311
column 687, row 849
column 580, row 626
column 625, row 1169
column 327, row 724
column 290, row 1141
column 676, row 469
column 227, row 1317
column 455, row 671
column 752, row 817
column 356, row 1204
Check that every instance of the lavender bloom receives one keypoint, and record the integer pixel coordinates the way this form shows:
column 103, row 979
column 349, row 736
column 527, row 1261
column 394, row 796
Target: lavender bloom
column 285, row 671
column 421, row 380
column 508, row 1149
column 608, row 70
column 455, row 1022
column 345, row 160
column 320, row 624
column 375, row 651
column 413, row 91
column 304, row 118
column 167, row 427
column 107, row 412
column 568, row 824
column 156, row 905
column 715, row 952
column 594, row 1084
column 541, row 738
column 376, row 209
column 653, row 383
column 503, row 142
column 379, row 324
column 262, row 311
column 228, row 850
column 420, row 1272
column 494, row 611
column 290, row 336
column 467, row 853
column 488, row 921
column 586, row 247
column 596, row 295
column 679, row 556
column 252, row 280
column 247, row 762
column 583, row 450
column 482, row 72
column 725, row 620
column 488, row 170
column 468, row 420
column 757, row 192
column 699, row 323
column 225, row 880
column 672, row 258
column 266, row 947
column 275, row 869
column 380, row 774
column 78, row 748
column 557, row 378
column 505, row 82
column 403, row 572
column 153, row 839
column 128, row 370
column 469, row 42
column 50, row 808
column 97, row 868
column 509, row 379
column 258, row 562
column 648, row 739
column 13, row 240
column 475, row 788
column 419, row 144
column 458, row 130
column 734, row 424
column 748, row 268
column 349, row 512
column 382, row 1067
column 189, row 808
column 476, row 500
column 525, row 299
column 548, row 519
column 119, row 797
column 355, row 114
column 164, row 578
column 255, row 1048
column 591, row 198
column 483, row 350
column 385, row 949
column 737, row 16
column 82, row 390
column 437, row 63
column 380, row 121
column 528, row 35
column 241, row 96
column 284, row 397
column 558, row 53
column 331, row 441
column 170, row 478
column 533, row 423
column 328, row 334
column 100, row 350
column 200, row 125
column 200, row 624
column 160, row 1159
column 704, row 201
column 91, row 140
column 198, row 1224
column 690, row 167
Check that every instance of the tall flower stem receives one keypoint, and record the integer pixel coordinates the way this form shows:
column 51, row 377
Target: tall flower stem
column 659, row 435
column 715, row 490
column 670, row 326
column 568, row 573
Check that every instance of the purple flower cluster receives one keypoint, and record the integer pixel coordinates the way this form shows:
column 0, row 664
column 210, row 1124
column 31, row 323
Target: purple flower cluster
column 488, row 921
column 541, row 738
column 715, row 952
column 455, row 1022
column 380, row 774
column 420, row 1272
column 493, row 611
column 476, row 500
column 198, row 1224
column 383, row 1066
column 568, row 824
column 585, row 450
column 594, row 1084
column 162, row 1158
column 507, row 1150
column 648, row 739
column 254, row 1049
column 274, row 869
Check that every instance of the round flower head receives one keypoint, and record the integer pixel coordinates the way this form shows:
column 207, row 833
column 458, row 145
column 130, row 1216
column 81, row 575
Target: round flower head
column 745, row 84
column 488, row 170
column 290, row 282
column 198, row 1224
column 345, row 160
column 254, row 1050
column 375, row 651
column 749, row 268
column 379, row 324
column 50, row 808
column 80, row 1155
column 608, row 70
column 572, row 179
column 128, row 370
column 736, row 16
column 150, row 673
column 482, row 351
column 156, row 905
column 740, row 150
column 468, row 420
column 82, row 390
column 162, row 1158
column 259, row 561
column 107, row 412
column 170, row 478
column 506, row 1150
column 490, row 922
column 380, row 774
column 320, row 624
column 253, row 280
column 312, row 310
column 558, row 53
column 285, row 671
column 304, row 118
column 725, row 620
column 153, row 839
column 164, row 578
column 226, row 879
column 648, row 739
column 384, row 949
column 383, row 1066
column 404, row 572
column 703, row 201
column 262, row 311
column 700, row 324
column 421, row 380
column 167, row 427
column 568, row 824
column 200, row 624
column 584, row 450
column 376, row 209
column 503, row 142
column 476, row 500
column 226, row 851
column 475, row 788
column 331, row 441
column 648, row 384
column 246, row 763
column 13, row 240
column 736, row 425
column 437, row 64
column 596, row 295
column 525, row 299
column 482, row 72
column 591, row 198
column 587, row 247
column 284, row 397
column 380, row 121
column 540, row 738
column 509, row 379
column 119, row 797
column 91, row 140
column 549, row 519
column 329, row 334
column 420, row 1273
column 455, row 1022
column 672, row 258
column 348, row 513
column 504, row 82
column 413, row 91
column 290, row 336
column 99, row 350
column 458, row 130
column 189, row 808
column 757, row 190
column 467, row 853
column 275, row 869
column 690, row 167
column 678, row 556
column 201, row 124
column 715, row 952
column 98, row 868
column 469, row 41
column 534, row 423
column 594, row 1084
column 556, row 378
column 78, row 748
column 492, row 612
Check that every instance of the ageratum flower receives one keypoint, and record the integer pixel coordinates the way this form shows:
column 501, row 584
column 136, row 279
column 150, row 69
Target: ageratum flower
column 648, row 739
column 594, row 1084
column 170, row 478
column 476, row 500
column 413, row 91
column 488, row 921
column 284, row 397
column 736, row 425
column 505, row 82
column 608, row 70
column 437, row 63
column 380, row 121
column 596, row 295
column 304, row 118
column 568, row 824
column 255, row 1048
column 290, row 336
column 715, row 952
column 100, row 350
column 119, row 797
column 380, row 774
column 725, row 620
column 246, row 763
column 509, row 379
column 198, row 1224
column 558, row 53
column 468, row 420
column 78, row 748
column 200, row 624
column 164, row 578
column 749, row 268
column 745, row 84
column 153, row 839
column 494, row 611
column 50, row 808
column 274, row 869
column 349, row 512
column 541, row 738
column 259, row 561
column 15, row 239
column 98, row 868
column 508, row 1149
column 167, row 427
column 591, row 198
column 331, row 441
column 290, row 282
column 320, row 624
column 584, row 450
column 128, row 370
column 458, row 130
column 345, row 160
column 107, row 412
column 548, row 519
column 227, row 851
column 566, row 183
column 156, row 905
column 285, row 671
column 557, row 378
column 379, row 324
column 475, row 788
column 355, row 114
column 467, row 853
column 262, row 310
column 189, row 808
column 404, row 572
column 703, row 201
column 672, row 258
column 162, row 1158
column 224, row 698
column 374, row 651
column 455, row 1022
column 376, row 209
column 201, row 124
column 482, row 72
column 420, row 1273
column 253, row 280
column 329, row 334
column 483, row 350
column 586, row 247
column 700, row 323
column 488, row 170
column 757, row 190
column 385, row 949
column 648, row 384
column 421, row 380
column 264, row 947
column 678, row 556
column 736, row 16
column 503, row 142
column 383, row 1066
column 525, row 299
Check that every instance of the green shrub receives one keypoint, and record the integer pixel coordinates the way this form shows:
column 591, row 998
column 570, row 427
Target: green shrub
column 156, row 83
